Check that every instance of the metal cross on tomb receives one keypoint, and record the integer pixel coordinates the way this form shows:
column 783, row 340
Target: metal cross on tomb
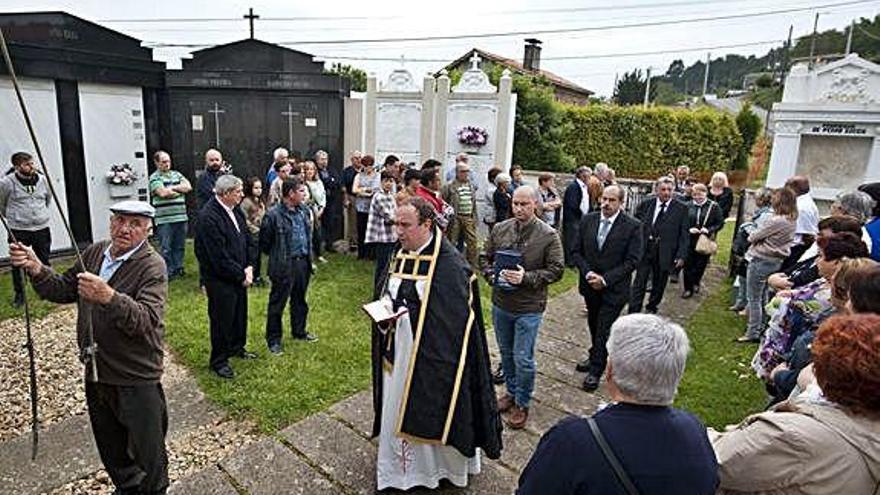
column 289, row 114
column 217, row 111
column 250, row 17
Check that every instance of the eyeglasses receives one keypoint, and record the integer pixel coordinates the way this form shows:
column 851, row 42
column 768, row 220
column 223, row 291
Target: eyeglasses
column 130, row 224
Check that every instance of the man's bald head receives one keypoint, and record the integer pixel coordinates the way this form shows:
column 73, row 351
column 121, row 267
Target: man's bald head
column 213, row 159
column 525, row 201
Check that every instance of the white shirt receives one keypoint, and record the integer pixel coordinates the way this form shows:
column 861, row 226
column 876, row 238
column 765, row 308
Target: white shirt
column 585, row 197
column 808, row 217
column 230, row 213
column 657, row 208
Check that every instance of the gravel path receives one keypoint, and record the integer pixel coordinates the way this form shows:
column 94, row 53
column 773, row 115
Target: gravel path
column 59, row 372
column 61, row 397
column 203, row 447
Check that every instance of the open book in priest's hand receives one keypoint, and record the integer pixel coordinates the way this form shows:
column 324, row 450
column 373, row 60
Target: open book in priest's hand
column 382, row 310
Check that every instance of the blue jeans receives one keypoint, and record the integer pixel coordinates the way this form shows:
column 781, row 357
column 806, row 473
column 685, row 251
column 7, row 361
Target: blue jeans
column 172, row 239
column 756, row 292
column 516, row 334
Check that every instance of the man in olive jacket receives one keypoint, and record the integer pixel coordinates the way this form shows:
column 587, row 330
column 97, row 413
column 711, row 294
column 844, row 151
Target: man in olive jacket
column 120, row 295
column 525, row 256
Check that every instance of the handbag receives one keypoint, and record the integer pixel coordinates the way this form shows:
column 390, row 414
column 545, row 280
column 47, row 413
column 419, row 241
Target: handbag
column 705, row 244
column 619, row 472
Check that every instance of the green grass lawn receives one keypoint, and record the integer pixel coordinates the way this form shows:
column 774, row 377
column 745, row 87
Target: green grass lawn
column 719, row 385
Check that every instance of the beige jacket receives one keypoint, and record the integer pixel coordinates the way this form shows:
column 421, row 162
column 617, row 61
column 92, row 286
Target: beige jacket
column 800, row 448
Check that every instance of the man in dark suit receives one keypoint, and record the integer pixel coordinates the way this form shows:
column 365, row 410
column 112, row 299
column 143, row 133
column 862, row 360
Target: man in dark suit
column 575, row 204
column 665, row 232
column 221, row 247
column 608, row 249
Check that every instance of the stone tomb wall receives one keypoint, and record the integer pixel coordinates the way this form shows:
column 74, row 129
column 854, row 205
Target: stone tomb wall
column 417, row 122
column 827, row 127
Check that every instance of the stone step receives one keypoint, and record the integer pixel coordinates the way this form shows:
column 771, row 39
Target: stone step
column 340, row 452
column 67, row 448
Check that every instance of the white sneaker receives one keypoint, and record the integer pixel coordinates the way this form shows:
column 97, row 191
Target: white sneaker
column 322, row 259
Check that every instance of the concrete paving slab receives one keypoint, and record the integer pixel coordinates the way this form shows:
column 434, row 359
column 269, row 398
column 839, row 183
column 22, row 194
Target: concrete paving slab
column 357, row 410
column 565, row 397
column 268, row 467
column 336, row 449
column 209, row 481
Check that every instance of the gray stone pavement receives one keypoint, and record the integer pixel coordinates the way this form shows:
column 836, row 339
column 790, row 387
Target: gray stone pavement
column 331, row 452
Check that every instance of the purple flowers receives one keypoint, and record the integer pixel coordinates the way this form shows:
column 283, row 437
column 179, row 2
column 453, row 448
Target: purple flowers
column 121, row 174
column 473, row 135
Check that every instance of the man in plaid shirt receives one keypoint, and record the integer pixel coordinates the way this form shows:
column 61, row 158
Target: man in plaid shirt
column 380, row 227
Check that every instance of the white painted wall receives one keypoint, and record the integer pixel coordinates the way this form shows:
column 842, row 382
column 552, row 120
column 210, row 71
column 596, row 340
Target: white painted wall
column 39, row 96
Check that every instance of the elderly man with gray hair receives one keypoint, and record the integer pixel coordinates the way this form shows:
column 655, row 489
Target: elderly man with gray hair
column 221, row 240
column 653, row 447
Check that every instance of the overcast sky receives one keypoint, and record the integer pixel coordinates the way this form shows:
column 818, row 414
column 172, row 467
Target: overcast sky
column 340, row 20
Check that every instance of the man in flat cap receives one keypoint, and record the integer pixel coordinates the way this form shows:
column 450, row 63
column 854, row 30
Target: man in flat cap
column 120, row 293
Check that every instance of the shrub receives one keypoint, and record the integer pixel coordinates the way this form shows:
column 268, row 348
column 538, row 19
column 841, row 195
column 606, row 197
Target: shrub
column 646, row 143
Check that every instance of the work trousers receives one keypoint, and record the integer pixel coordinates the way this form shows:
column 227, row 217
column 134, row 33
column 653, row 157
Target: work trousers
column 129, row 424
column 291, row 286
column 172, row 243
column 464, row 228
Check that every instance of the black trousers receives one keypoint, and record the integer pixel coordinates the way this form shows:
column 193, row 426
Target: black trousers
column 41, row 242
column 227, row 310
column 317, row 241
column 291, row 286
column 649, row 267
column 694, row 267
column 329, row 221
column 255, row 257
column 130, row 424
column 364, row 251
column 383, row 251
column 601, row 314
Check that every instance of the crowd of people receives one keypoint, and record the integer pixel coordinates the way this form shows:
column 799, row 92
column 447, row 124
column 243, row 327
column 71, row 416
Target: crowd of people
column 809, row 286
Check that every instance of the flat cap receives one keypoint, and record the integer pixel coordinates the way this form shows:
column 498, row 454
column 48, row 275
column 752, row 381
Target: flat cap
column 138, row 208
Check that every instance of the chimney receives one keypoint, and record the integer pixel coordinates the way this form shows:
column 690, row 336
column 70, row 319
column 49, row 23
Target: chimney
column 532, row 58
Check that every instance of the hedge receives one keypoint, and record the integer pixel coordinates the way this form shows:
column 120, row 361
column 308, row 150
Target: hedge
column 646, row 143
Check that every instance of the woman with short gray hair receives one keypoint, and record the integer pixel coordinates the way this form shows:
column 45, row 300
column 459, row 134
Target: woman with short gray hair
column 859, row 205
column 646, row 360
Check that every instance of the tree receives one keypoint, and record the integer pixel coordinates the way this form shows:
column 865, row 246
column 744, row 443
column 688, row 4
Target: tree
column 357, row 77
column 749, row 126
column 665, row 93
column 676, row 69
column 764, row 81
column 630, row 89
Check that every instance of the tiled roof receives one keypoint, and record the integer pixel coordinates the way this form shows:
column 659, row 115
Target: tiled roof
column 517, row 66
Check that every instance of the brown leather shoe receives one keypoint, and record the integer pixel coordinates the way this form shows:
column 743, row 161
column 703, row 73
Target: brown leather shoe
column 505, row 403
column 517, row 418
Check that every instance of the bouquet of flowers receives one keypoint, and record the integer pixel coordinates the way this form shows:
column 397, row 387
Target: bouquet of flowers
column 473, row 135
column 121, row 174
